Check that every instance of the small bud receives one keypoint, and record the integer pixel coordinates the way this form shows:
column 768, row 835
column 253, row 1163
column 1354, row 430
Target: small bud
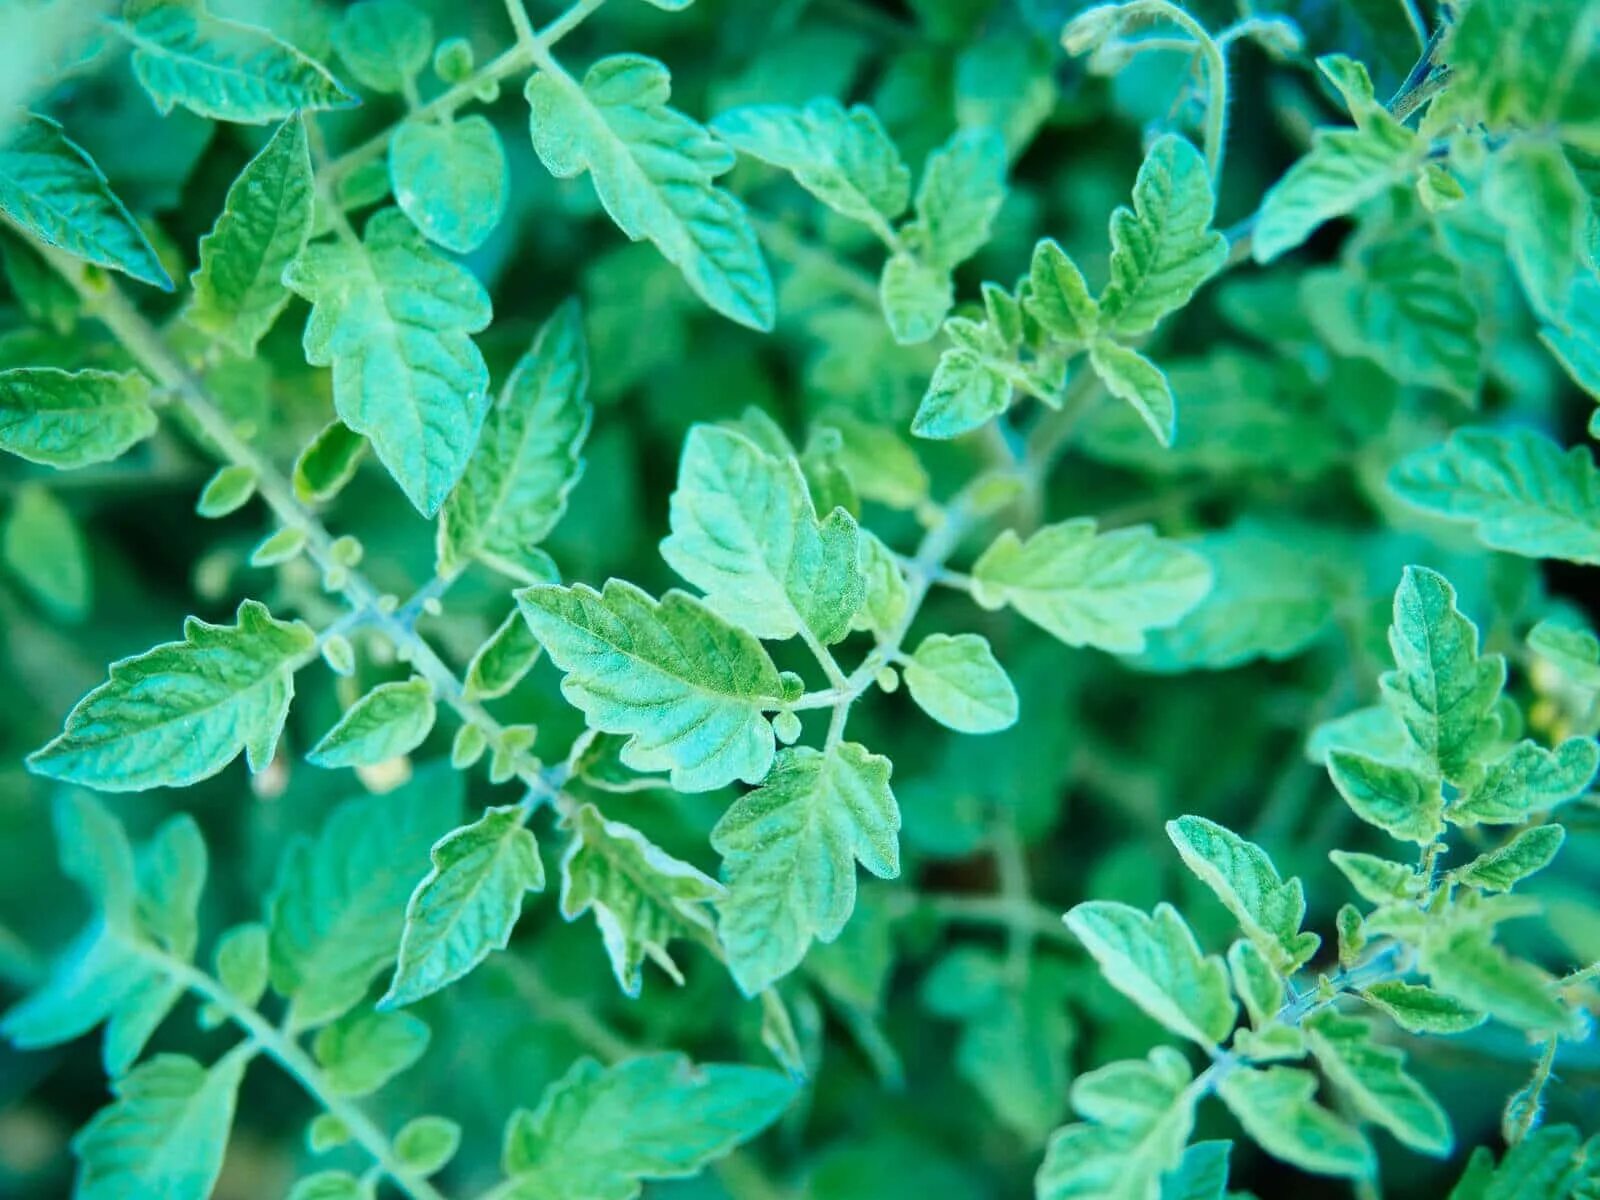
column 888, row 679
column 793, row 686
column 453, row 60
column 339, row 654
column 787, row 726
column 347, row 550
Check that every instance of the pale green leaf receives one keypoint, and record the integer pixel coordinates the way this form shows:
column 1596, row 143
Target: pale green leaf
column 1502, row 868
column 1201, row 1175
column 1466, row 966
column 641, row 897
column 1156, row 962
column 1259, row 984
column 1058, row 298
column 363, row 1050
column 1531, row 189
column 426, row 1144
column 599, row 1131
column 44, row 550
column 227, row 491
column 183, row 711
column 1544, row 1165
column 790, row 849
column 328, row 1185
column 887, row 595
column 241, row 962
column 221, row 69
column 1134, row 379
column 915, row 296
column 502, row 661
column 880, row 462
column 1377, row 880
column 1277, row 1109
column 957, row 682
column 1574, row 652
column 52, row 191
column 1398, row 799
column 1163, row 248
column 963, row 185
column 966, row 392
column 744, row 531
column 1520, row 491
column 391, row 316
column 1525, row 781
column 688, row 688
column 1374, row 1080
column 384, row 42
column 653, row 169
column 467, row 905
column 72, row 419
column 390, row 720
column 1418, row 1009
column 1096, row 589
column 328, row 463
column 450, row 179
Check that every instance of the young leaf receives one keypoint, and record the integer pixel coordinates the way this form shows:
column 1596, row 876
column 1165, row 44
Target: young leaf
column 600, row 1131
column 1201, row 1175
column 1418, row 1009
column 1525, row 781
column 965, row 393
column 181, row 712
column 653, row 169
column 1133, row 378
column 957, row 682
column 1276, row 1108
column 687, row 687
column 1397, row 799
column 1520, row 491
column 963, row 185
column 450, row 179
column 44, row 550
column 1156, row 962
column 1244, row 879
column 1058, row 298
column 1164, row 248
column 1377, row 880
column 1374, row 1079
column 1466, row 966
column 467, row 904
column 392, row 317
column 219, row 68
column 1092, row 589
column 363, row 1050
column 842, row 157
column 790, row 849
column 227, row 491
column 527, row 462
column 241, row 960
column 426, row 1144
column 1574, row 652
column 502, row 661
column 53, row 192
column 1531, row 189
column 264, row 226
column 641, row 897
column 390, row 720
column 72, row 419
column 915, row 297
column 328, row 463
column 744, row 532
column 338, row 907
column 384, row 43
column 1501, row 869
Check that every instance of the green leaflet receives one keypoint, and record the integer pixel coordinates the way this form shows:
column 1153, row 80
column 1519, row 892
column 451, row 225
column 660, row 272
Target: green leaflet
column 1058, row 298
column 962, row 187
column 1520, row 491
column 1092, row 589
column 1500, row 869
column 790, row 849
column 1137, row 1117
column 653, row 169
column 687, row 688
column 390, row 720
column 966, row 392
column 1398, row 799
column 744, row 531
column 229, row 490
column 842, row 157
column 363, row 1050
column 1344, row 169
column 1417, row 1009
column 1374, row 1079
column 242, row 962
column 384, row 42
column 183, row 711
column 599, row 1131
column 528, row 459
column 467, row 904
column 71, row 419
column 1242, row 876
column 426, row 1144
column 502, row 661
column 1163, row 248
column 1574, row 652
column 328, row 463
column 53, row 192
column 886, row 592
column 392, row 317
column 1276, row 1108
column 1468, row 967
column 641, row 897
column 265, row 222
column 957, row 682
column 916, row 298
column 164, row 1134
column 43, row 549
column 1532, row 190
column 1518, row 66
column 219, row 68
column 1548, row 1162
column 1134, row 379
column 338, row 907
column 450, row 179
column 1014, row 1034
column 1525, row 781
column 1156, row 962
column 1377, row 880
column 1201, row 1175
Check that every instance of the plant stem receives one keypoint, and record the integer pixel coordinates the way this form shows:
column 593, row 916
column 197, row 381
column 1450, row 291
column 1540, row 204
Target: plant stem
column 1038, row 920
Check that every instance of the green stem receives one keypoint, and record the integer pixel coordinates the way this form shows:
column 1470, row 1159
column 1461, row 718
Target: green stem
column 1015, row 890
column 1039, row 921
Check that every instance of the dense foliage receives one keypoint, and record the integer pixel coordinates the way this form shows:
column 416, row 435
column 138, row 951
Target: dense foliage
column 667, row 548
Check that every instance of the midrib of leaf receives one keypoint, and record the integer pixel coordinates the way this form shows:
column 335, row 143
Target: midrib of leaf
column 207, row 66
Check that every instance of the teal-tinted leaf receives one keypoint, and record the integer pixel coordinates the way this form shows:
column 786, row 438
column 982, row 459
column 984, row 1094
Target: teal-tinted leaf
column 915, row 296
column 1520, row 491
column 1518, row 63
column 745, row 533
column 1418, row 1009
column 966, row 392
column 1466, row 966
column 328, row 463
column 384, row 43
column 227, row 491
column 842, row 157
column 957, row 682
column 1201, row 1175
column 1163, row 248
column 172, row 874
column 1525, row 781
column 502, row 661
column 1156, row 962
column 641, row 897
column 363, row 1050
column 241, row 961
column 653, row 169
column 1396, row 798
column 1092, row 589
column 1259, row 984
column 72, row 419
column 887, row 593
column 450, row 179
column 1378, row 880
column 339, row 903
column 390, row 720
column 43, row 549
column 599, row 1131
column 1532, row 190
column 467, row 904
column 265, row 221
column 963, row 185
column 392, row 317
column 789, row 850
column 281, row 546
column 1374, row 1080
column 1502, row 868
column 52, row 191
column 181, row 712
column 1243, row 877
column 328, row 1185
column 164, row 1134
column 1134, row 379
column 688, row 688
column 221, row 69
column 426, row 1144
column 1276, row 1108
column 1058, row 298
